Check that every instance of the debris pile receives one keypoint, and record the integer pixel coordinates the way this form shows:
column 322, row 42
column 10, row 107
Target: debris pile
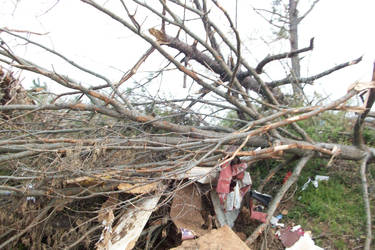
column 199, row 208
column 294, row 238
column 222, row 238
column 124, row 193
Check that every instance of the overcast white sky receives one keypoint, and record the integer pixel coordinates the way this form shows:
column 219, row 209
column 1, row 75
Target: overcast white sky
column 342, row 29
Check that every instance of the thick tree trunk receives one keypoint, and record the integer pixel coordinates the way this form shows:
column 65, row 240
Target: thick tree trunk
column 293, row 39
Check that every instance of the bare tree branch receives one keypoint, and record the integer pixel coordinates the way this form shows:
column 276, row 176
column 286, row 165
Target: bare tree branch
column 308, row 11
column 358, row 127
column 280, row 194
column 96, row 140
column 259, row 68
column 366, row 201
column 315, row 77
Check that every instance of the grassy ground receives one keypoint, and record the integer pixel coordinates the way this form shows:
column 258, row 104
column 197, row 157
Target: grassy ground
column 334, row 211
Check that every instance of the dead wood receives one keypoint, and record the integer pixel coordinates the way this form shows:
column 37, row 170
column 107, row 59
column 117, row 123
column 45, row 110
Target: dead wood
column 280, row 194
column 98, row 163
column 359, row 142
column 367, row 202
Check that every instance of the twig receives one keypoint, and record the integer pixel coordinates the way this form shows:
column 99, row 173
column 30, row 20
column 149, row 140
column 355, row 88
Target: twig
column 84, row 236
column 238, row 52
column 308, row 11
column 32, row 224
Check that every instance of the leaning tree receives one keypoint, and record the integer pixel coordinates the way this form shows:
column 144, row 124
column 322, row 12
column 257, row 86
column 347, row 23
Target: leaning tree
column 90, row 145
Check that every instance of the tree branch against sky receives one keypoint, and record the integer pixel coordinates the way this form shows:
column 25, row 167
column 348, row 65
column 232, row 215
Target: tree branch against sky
column 142, row 92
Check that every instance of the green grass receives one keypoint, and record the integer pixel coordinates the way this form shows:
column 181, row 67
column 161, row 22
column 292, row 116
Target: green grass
column 331, row 203
column 334, row 209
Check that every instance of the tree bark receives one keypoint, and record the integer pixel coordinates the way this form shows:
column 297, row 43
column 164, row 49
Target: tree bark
column 293, row 39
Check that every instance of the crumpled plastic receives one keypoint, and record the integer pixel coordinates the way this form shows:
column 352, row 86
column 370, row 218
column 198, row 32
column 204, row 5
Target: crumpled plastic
column 187, row 234
column 275, row 221
column 315, row 181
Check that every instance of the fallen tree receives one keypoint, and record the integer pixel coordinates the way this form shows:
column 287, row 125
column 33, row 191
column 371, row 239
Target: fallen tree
column 110, row 150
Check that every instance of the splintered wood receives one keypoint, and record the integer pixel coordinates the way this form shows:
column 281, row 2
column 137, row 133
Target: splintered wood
column 126, row 233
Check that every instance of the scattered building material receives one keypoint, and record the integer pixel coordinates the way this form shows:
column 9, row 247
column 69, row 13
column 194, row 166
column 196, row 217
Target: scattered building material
column 321, row 178
column 275, row 221
column 126, row 233
column 234, row 182
column 222, row 238
column 255, row 214
column 315, row 182
column 105, row 238
column 305, row 242
column 277, row 199
column 106, row 218
column 294, row 238
column 187, row 234
column 223, row 217
column 265, row 199
column 186, row 212
column 289, row 236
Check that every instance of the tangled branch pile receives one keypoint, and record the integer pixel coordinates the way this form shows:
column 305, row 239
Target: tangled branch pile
column 72, row 169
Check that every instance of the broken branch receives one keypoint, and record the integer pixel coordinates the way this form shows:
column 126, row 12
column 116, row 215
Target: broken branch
column 259, row 68
column 276, row 201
